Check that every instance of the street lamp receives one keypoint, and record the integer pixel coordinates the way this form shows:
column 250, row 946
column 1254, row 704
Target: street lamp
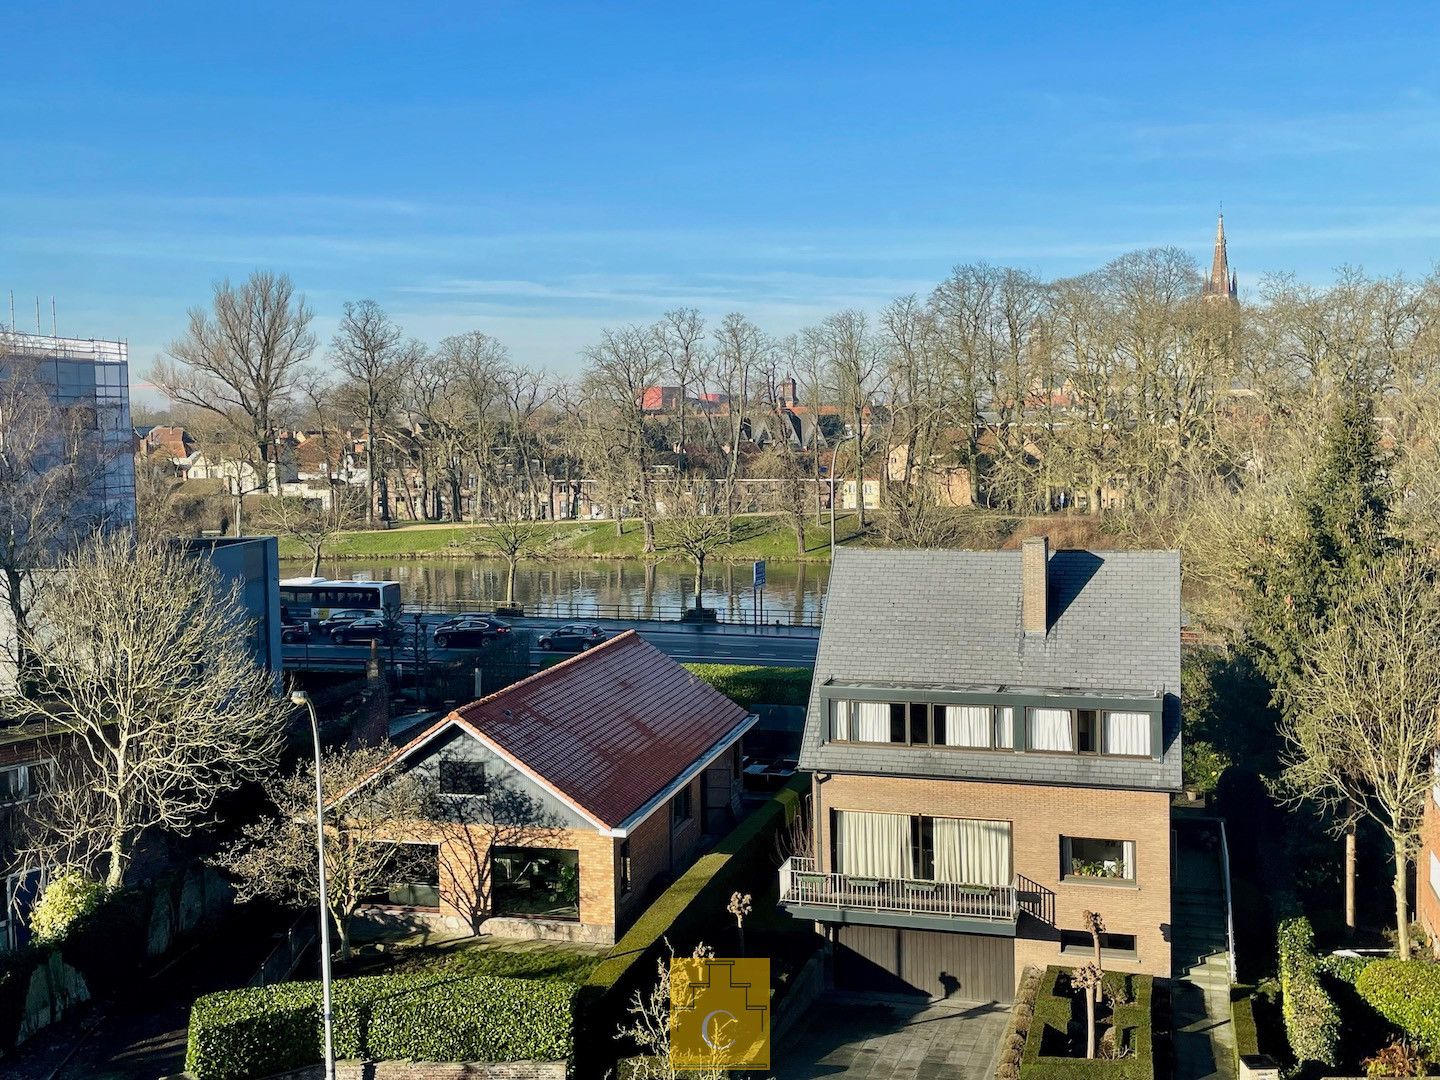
column 849, row 434
column 300, row 697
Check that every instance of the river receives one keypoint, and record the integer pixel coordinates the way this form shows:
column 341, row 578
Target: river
column 596, row 587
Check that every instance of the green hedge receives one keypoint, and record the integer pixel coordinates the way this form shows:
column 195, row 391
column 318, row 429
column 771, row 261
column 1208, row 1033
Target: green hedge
column 1312, row 1019
column 1133, row 1023
column 1407, row 993
column 261, row 1030
column 1242, row 1019
column 688, row 912
column 1345, row 968
column 749, row 685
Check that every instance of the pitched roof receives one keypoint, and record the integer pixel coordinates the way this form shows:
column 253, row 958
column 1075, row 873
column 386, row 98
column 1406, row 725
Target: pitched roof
column 952, row 619
column 608, row 729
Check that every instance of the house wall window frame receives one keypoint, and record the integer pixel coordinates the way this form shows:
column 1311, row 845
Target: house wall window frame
column 623, row 866
column 1092, row 854
column 917, row 853
column 682, row 807
column 1091, row 731
column 1112, row 946
column 462, row 776
column 20, row 783
column 835, row 696
column 417, row 901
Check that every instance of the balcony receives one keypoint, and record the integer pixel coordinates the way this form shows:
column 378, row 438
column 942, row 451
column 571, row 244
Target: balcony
column 809, row 893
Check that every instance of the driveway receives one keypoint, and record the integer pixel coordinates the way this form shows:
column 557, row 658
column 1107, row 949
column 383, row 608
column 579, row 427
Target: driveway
column 866, row 1039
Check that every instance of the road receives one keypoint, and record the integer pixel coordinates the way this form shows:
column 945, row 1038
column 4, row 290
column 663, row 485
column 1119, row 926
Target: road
column 783, row 646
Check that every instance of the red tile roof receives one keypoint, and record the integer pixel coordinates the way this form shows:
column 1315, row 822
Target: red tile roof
column 609, row 728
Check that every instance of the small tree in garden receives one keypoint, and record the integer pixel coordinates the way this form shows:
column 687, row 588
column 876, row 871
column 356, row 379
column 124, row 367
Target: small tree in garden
column 1089, row 979
column 739, row 906
column 650, row 1027
column 1095, row 923
column 513, row 540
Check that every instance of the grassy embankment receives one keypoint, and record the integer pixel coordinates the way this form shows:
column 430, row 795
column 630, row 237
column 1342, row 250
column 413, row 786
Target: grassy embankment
column 758, row 536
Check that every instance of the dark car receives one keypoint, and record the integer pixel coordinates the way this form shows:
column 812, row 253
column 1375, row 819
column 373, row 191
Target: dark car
column 370, row 628
column 344, row 617
column 572, row 637
column 294, row 633
column 470, row 632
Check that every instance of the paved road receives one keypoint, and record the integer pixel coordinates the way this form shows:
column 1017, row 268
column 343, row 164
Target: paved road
column 723, row 644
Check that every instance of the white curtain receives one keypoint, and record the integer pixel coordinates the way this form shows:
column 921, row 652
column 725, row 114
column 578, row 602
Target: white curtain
column 1128, row 871
column 1005, row 727
column 967, row 725
column 972, row 852
column 1050, row 730
column 872, row 845
column 1127, row 733
column 871, row 721
column 842, row 720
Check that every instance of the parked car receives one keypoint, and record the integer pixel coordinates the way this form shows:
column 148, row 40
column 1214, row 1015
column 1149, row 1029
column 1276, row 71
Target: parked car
column 572, row 637
column 294, row 633
column 343, row 617
column 369, row 628
column 468, row 632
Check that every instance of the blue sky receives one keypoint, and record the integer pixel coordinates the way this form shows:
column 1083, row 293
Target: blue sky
column 540, row 170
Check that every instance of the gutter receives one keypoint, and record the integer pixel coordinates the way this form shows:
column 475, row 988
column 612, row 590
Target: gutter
column 729, row 739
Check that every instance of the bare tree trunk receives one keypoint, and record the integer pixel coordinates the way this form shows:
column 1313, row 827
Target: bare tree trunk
column 699, row 580
column 1090, row 1023
column 1402, row 904
column 1350, row 880
column 369, row 468
column 315, row 559
column 510, row 581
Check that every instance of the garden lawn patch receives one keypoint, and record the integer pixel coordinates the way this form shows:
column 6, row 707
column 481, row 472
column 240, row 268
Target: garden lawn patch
column 749, row 685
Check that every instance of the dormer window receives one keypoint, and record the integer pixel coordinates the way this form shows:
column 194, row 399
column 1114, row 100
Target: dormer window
column 1088, row 731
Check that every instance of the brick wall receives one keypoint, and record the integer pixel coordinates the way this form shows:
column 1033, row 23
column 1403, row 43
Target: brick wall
column 1038, row 817
column 1427, row 904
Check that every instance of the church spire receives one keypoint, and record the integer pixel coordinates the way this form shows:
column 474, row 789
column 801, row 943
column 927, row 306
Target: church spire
column 1221, row 284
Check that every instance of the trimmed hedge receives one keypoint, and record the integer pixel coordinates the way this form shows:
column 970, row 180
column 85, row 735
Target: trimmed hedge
column 1242, row 1019
column 1312, row 1019
column 687, row 912
column 1407, row 993
column 261, row 1030
column 1132, row 1023
column 749, row 685
column 1345, row 968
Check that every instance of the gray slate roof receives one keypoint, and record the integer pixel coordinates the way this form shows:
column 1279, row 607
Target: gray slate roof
column 952, row 619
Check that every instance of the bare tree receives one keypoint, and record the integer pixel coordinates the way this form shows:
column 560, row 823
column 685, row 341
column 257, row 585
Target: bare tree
column 1088, row 978
column 624, row 364
column 852, row 356
column 144, row 664
column 367, row 350
column 1360, row 730
column 275, row 854
column 514, row 540
column 240, row 360
column 313, row 523
column 696, row 527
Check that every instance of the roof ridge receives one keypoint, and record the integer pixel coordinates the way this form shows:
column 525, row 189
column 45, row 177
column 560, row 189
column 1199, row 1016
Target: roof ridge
column 539, row 676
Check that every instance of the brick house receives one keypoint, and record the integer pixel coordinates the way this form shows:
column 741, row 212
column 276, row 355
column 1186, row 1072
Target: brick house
column 566, row 800
column 995, row 741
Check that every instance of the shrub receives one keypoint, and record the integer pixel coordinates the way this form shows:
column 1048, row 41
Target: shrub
column 749, row 685
column 1345, row 968
column 1312, row 1019
column 1131, row 1024
column 67, row 900
column 1407, row 993
column 261, row 1030
column 1398, row 1058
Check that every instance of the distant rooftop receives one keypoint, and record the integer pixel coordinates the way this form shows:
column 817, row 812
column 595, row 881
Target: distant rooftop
column 97, row 350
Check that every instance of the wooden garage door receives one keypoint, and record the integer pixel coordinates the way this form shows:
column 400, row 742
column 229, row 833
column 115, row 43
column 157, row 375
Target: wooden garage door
column 965, row 967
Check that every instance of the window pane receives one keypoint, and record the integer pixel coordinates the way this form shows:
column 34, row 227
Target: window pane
column 966, row 725
column 1086, row 721
column 1050, row 730
column 919, row 723
column 897, row 723
column 872, row 723
column 1090, row 857
column 413, row 877
column 536, row 881
column 461, row 777
column 1005, row 727
column 1127, row 733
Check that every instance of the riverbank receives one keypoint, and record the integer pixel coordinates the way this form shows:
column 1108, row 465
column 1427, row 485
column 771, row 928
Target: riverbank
column 757, row 536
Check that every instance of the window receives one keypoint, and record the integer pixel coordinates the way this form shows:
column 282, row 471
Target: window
column 1127, row 734
column 624, row 866
column 13, row 785
column 919, row 723
column 412, row 877
column 964, row 725
column 961, row 850
column 1089, row 858
column 459, row 776
column 897, row 723
column 1089, row 731
column 1087, row 722
column 1080, row 943
column 680, row 806
column 1435, row 874
column 542, row 882
column 1050, row 729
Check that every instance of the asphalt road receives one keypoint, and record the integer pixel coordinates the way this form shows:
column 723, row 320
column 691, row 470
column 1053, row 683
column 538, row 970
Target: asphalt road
column 721, row 644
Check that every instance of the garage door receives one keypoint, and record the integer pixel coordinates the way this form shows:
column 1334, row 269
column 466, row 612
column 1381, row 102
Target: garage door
column 965, row 967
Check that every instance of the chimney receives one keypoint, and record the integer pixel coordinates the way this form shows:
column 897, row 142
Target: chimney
column 1034, row 559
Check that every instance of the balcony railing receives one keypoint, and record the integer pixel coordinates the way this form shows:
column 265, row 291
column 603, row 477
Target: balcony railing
column 801, row 883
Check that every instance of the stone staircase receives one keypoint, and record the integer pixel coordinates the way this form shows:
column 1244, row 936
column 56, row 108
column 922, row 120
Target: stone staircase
column 1200, row 960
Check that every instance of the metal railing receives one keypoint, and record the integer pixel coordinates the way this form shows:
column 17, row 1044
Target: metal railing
column 802, row 883
column 585, row 609
column 1229, row 905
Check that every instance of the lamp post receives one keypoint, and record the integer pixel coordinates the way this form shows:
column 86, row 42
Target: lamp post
column 300, row 697
column 849, row 434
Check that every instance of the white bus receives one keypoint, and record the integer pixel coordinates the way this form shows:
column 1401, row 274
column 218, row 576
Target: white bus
column 311, row 599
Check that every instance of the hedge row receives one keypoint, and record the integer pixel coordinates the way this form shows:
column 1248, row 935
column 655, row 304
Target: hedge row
column 1407, row 993
column 1242, row 1020
column 1312, row 1019
column 684, row 914
column 1133, row 1025
column 261, row 1030
column 749, row 685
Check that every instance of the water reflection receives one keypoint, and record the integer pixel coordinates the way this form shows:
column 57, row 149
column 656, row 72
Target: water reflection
column 587, row 587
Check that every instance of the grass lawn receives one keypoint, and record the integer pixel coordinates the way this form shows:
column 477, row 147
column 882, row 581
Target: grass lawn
column 481, row 956
column 757, row 536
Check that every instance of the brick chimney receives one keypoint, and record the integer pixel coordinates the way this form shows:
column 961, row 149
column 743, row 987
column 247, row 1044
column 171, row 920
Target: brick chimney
column 1034, row 560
